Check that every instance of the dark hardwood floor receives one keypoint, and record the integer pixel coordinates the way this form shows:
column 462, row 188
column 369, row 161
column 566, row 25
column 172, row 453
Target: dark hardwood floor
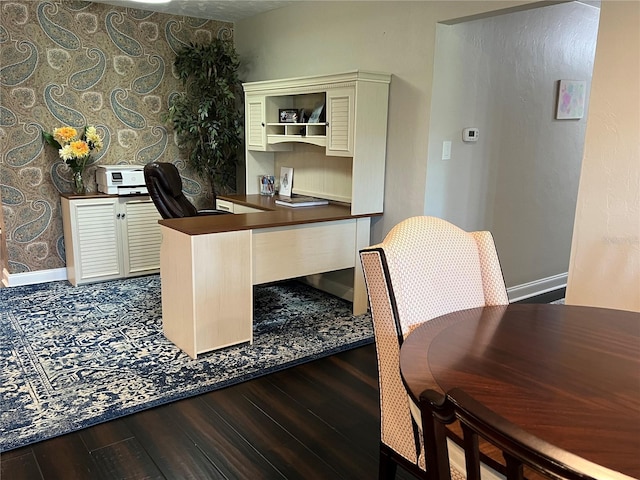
column 319, row 420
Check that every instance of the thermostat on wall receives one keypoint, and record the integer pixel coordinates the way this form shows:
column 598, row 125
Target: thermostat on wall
column 470, row 134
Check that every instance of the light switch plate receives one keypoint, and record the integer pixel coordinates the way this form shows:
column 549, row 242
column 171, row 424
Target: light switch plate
column 446, row 150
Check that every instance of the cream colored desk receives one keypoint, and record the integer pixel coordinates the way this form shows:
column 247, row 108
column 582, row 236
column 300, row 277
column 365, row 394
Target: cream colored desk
column 209, row 264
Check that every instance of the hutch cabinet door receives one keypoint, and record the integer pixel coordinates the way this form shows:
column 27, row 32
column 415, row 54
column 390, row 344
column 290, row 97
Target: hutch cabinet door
column 340, row 119
column 256, row 135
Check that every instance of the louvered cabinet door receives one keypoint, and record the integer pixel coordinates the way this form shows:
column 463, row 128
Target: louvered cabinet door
column 340, row 119
column 256, row 134
column 95, row 243
column 141, row 236
column 109, row 238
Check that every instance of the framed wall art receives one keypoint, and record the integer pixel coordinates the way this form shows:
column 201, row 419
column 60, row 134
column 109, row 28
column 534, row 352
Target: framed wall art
column 571, row 98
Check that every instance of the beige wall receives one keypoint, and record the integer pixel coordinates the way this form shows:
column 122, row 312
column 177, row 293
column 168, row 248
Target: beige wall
column 394, row 37
column 400, row 38
column 604, row 269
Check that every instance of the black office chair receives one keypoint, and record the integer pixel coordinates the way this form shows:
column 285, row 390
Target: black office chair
column 165, row 189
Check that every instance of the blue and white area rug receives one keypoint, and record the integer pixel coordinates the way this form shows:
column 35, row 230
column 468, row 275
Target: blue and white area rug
column 72, row 357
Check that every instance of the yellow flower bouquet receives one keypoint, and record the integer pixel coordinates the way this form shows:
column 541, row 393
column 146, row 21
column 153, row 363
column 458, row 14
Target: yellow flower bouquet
column 75, row 149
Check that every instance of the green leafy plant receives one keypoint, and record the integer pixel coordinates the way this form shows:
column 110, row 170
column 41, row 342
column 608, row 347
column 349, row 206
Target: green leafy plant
column 207, row 117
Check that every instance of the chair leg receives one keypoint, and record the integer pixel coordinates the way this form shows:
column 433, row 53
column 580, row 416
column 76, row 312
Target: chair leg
column 387, row 465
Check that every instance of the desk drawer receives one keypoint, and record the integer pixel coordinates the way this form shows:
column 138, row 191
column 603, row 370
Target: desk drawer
column 295, row 251
column 224, row 205
column 244, row 209
column 228, row 206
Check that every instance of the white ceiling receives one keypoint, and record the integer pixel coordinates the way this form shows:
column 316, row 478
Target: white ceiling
column 226, row 10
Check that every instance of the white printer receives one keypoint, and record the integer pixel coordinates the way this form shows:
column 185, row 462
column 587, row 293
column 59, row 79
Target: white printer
column 121, row 180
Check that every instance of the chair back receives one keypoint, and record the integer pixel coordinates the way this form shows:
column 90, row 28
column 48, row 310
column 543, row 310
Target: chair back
column 165, row 189
column 519, row 448
column 424, row 268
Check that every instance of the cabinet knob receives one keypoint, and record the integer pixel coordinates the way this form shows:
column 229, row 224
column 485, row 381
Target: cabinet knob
column 122, row 215
column 262, row 124
column 117, row 215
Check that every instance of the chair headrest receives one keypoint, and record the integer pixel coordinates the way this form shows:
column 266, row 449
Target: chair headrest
column 165, row 189
column 166, row 175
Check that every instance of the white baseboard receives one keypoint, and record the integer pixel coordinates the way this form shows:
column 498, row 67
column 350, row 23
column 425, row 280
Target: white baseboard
column 30, row 278
column 516, row 293
column 537, row 287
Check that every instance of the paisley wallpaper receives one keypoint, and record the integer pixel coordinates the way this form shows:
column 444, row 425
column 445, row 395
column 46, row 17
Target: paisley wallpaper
column 77, row 63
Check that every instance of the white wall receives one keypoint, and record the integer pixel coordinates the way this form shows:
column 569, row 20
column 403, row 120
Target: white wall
column 520, row 179
column 605, row 255
column 388, row 36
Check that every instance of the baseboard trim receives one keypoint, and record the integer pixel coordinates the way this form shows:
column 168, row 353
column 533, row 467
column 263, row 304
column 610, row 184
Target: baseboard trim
column 515, row 294
column 537, row 287
column 31, row 278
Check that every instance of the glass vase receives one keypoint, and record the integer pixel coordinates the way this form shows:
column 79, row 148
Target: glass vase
column 78, row 183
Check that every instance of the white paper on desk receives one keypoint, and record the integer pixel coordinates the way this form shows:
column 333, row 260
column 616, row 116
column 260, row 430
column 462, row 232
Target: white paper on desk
column 286, row 181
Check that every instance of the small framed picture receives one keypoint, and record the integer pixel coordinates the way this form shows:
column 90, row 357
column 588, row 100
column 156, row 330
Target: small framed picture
column 267, row 184
column 286, row 181
column 571, row 98
column 288, row 115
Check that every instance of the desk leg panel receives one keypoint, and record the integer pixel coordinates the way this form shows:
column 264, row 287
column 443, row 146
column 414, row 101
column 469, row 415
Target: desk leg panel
column 178, row 315
column 223, row 290
column 363, row 239
column 207, row 298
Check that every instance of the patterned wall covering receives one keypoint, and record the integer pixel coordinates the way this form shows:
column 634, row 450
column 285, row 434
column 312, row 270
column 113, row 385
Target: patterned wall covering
column 77, row 63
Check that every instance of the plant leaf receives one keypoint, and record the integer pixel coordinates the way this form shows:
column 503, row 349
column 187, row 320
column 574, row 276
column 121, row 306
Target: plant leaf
column 51, row 141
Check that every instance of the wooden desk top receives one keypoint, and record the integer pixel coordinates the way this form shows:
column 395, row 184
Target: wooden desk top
column 273, row 216
column 569, row 375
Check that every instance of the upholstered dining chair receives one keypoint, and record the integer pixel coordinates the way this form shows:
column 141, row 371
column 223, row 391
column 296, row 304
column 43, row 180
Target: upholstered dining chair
column 424, row 268
column 165, row 189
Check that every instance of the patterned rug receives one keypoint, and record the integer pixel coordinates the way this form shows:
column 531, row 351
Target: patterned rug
column 72, row 357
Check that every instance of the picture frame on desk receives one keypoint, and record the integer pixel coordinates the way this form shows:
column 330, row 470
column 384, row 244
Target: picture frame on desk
column 286, row 181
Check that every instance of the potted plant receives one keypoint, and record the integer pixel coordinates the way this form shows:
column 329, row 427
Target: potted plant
column 207, row 117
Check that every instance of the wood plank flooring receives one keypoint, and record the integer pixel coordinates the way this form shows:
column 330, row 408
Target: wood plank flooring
column 319, row 420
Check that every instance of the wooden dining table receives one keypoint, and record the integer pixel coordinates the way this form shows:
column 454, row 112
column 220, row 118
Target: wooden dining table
column 570, row 375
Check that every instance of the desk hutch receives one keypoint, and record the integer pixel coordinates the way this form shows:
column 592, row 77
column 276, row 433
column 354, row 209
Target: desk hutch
column 341, row 159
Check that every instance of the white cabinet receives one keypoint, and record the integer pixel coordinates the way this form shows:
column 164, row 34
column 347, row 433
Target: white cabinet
column 108, row 237
column 341, row 156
